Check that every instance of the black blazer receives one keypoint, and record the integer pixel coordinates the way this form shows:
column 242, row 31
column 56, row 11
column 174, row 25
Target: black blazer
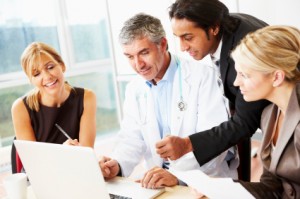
column 245, row 121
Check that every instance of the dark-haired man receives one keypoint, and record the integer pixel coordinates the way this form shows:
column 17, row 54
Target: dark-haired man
column 207, row 28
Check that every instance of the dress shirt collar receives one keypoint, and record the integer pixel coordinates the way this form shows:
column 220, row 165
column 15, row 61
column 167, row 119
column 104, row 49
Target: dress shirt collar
column 169, row 74
column 217, row 54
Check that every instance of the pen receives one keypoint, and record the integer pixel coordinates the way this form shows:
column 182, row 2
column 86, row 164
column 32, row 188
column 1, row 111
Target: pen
column 61, row 130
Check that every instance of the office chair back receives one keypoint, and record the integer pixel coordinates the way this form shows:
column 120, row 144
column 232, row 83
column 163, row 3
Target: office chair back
column 16, row 164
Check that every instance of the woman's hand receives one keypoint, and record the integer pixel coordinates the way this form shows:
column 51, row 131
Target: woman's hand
column 72, row 142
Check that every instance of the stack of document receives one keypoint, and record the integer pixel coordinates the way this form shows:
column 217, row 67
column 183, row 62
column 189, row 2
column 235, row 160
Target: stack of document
column 213, row 188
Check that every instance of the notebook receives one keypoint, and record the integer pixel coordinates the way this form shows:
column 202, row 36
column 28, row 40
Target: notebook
column 62, row 172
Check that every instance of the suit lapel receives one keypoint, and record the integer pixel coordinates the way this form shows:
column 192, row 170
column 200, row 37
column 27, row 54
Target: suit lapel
column 151, row 119
column 225, row 55
column 151, row 128
column 290, row 122
column 266, row 147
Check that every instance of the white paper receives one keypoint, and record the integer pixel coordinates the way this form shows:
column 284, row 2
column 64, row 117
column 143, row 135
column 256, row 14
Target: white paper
column 127, row 188
column 213, row 188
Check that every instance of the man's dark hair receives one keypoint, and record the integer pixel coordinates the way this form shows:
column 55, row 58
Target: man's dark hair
column 205, row 14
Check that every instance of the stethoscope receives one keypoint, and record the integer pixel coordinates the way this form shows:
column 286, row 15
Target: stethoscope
column 182, row 105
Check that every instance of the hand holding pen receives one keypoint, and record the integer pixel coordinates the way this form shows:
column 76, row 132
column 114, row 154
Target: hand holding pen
column 69, row 141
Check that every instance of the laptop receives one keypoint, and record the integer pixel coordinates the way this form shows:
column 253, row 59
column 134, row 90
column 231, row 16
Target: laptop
column 62, row 172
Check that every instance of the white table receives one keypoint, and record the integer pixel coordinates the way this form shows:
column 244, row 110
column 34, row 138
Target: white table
column 176, row 192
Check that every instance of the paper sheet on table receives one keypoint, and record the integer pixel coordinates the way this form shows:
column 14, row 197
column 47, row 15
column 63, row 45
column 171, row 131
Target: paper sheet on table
column 213, row 188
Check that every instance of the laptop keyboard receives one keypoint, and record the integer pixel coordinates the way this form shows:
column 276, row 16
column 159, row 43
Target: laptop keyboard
column 114, row 196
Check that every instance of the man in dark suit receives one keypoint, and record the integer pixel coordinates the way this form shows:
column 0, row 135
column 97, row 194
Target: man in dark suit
column 205, row 27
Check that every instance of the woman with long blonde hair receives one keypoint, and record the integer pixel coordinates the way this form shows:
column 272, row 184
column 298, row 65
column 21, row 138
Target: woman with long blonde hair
column 53, row 101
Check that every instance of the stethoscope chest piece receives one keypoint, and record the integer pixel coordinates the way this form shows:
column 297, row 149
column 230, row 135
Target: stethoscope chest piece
column 182, row 105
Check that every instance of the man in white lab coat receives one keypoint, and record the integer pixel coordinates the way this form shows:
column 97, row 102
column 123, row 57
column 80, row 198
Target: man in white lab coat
column 170, row 96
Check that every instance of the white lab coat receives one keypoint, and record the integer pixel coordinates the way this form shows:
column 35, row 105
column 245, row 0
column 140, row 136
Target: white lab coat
column 139, row 128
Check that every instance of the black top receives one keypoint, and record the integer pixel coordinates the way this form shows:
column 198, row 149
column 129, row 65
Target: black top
column 245, row 121
column 67, row 116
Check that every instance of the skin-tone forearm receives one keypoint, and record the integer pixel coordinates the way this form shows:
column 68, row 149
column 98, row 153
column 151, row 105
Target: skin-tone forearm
column 173, row 147
column 87, row 133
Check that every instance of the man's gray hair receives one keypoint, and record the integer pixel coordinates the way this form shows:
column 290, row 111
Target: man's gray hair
column 139, row 26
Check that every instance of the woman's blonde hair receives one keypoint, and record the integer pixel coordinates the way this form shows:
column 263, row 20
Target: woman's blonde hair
column 269, row 49
column 31, row 60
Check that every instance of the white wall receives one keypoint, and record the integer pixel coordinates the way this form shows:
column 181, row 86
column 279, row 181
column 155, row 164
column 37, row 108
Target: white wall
column 274, row 12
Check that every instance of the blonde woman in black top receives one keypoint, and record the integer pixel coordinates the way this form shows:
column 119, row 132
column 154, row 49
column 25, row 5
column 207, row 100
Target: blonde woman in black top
column 53, row 101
